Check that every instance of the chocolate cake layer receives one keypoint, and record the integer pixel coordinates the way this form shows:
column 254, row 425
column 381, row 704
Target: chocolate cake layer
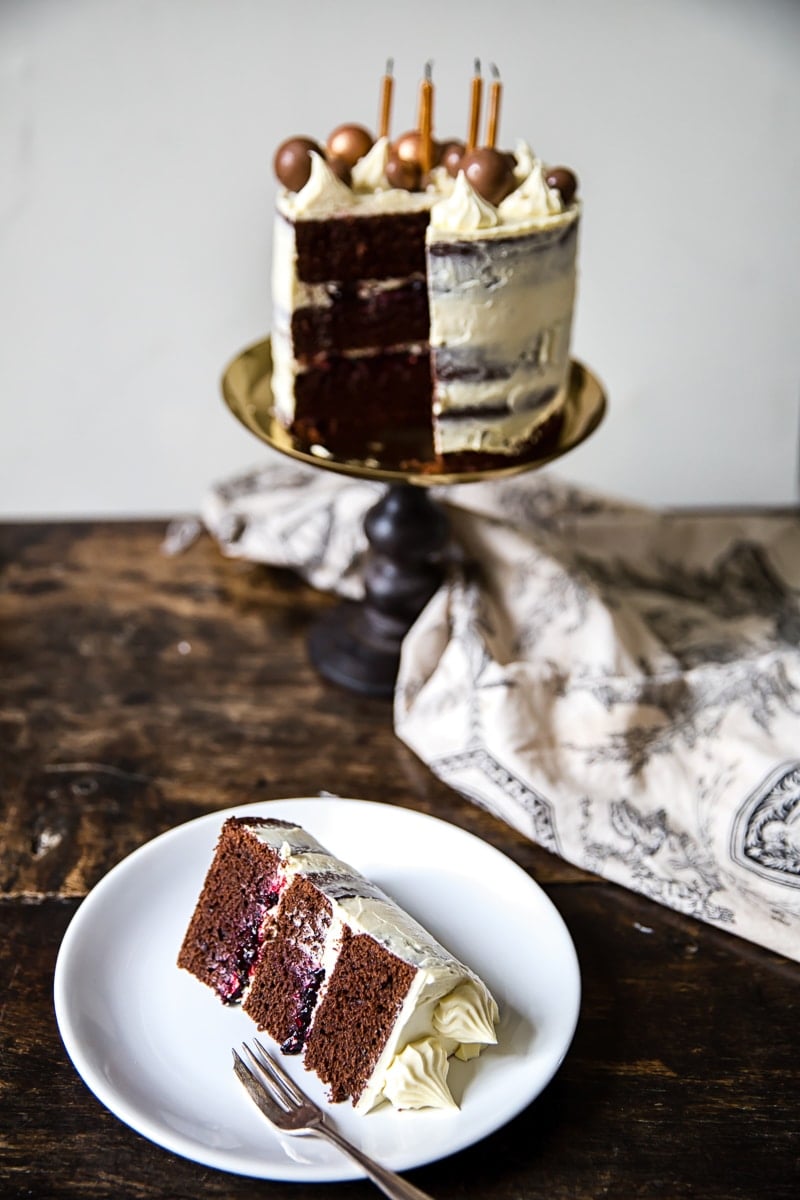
column 353, row 1021
column 349, row 402
column 362, row 315
column 224, row 935
column 352, row 248
column 290, row 974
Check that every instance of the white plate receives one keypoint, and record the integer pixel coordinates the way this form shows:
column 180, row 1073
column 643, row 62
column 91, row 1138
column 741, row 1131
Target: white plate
column 154, row 1044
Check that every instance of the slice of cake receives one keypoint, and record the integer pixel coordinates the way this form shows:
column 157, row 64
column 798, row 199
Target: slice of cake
column 425, row 310
column 333, row 969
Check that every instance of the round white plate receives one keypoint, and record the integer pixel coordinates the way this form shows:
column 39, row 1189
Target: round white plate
column 154, row 1044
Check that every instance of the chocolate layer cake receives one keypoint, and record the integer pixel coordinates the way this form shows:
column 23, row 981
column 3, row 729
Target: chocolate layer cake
column 432, row 318
column 333, row 969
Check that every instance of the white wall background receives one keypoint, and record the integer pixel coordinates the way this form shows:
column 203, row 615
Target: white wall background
column 136, row 139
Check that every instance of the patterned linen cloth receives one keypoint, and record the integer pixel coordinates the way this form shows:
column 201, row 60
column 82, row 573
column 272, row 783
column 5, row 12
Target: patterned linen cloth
column 621, row 685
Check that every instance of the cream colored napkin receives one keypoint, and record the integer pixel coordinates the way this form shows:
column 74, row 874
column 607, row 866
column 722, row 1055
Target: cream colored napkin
column 621, row 685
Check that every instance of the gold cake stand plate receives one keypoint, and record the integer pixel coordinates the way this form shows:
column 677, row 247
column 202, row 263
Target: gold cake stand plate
column 247, row 390
column 358, row 645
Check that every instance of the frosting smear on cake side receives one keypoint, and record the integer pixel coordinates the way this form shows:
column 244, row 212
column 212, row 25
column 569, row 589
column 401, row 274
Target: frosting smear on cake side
column 327, row 964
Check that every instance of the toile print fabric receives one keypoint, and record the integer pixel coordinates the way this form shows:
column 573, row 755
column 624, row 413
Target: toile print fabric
column 619, row 684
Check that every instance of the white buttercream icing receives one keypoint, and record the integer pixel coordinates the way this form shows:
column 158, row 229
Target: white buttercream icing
column 417, row 1077
column 323, row 194
column 533, row 198
column 525, row 158
column 467, row 1014
column 369, row 173
column 463, row 210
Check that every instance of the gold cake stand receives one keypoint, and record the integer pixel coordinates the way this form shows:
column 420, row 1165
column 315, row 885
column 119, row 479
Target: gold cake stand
column 358, row 645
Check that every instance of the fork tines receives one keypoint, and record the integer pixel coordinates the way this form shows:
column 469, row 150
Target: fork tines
column 270, row 1074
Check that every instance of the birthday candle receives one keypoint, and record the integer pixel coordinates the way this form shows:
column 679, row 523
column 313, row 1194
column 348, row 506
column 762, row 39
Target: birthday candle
column 426, row 119
column 387, row 87
column 475, row 106
column 494, row 108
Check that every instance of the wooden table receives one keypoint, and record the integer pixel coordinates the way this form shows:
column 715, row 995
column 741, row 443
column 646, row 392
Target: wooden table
column 139, row 691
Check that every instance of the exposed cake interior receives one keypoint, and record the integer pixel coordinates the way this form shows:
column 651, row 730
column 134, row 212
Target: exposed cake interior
column 333, row 969
column 226, row 931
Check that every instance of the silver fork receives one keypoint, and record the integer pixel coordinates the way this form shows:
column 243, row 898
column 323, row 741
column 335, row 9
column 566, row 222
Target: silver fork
column 291, row 1111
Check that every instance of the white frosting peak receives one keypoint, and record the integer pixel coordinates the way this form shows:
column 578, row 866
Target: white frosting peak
column 468, row 1015
column 369, row 173
column 323, row 194
column 464, row 210
column 525, row 160
column 417, row 1077
column 533, row 198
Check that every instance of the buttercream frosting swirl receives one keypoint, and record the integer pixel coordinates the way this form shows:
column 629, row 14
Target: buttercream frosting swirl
column 323, row 193
column 467, row 1015
column 463, row 210
column 417, row 1076
column 369, row 173
column 525, row 160
column 533, row 198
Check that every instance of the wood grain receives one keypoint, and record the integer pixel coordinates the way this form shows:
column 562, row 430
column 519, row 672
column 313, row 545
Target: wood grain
column 138, row 691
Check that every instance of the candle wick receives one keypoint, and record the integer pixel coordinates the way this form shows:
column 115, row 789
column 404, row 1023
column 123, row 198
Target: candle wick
column 389, row 66
column 494, row 70
column 477, row 69
column 428, row 70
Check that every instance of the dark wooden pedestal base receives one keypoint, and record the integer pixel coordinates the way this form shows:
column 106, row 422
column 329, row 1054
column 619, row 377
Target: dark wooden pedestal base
column 358, row 645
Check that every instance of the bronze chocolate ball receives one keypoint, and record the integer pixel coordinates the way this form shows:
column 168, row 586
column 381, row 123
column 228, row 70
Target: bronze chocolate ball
column 402, row 173
column 349, row 143
column 340, row 168
column 564, row 181
column 292, row 162
column 408, row 147
column 489, row 172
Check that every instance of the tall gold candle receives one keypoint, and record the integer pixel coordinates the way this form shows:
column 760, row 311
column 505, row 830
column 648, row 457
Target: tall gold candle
column 494, row 108
column 476, row 95
column 426, row 120
column 387, row 87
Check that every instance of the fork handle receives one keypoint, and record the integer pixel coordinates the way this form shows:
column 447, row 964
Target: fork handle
column 391, row 1184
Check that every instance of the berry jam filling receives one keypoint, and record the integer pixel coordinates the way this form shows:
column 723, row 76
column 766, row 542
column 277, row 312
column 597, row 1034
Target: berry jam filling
column 306, row 996
column 234, row 976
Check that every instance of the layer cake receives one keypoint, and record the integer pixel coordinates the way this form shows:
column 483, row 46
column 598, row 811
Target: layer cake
column 433, row 318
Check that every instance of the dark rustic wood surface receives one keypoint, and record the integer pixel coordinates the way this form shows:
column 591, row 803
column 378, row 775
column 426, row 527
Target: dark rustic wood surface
column 138, row 691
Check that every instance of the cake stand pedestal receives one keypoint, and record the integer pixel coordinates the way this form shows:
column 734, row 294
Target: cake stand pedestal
column 357, row 645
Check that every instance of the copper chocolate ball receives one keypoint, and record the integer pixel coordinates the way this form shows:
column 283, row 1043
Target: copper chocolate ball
column 450, row 155
column 340, row 168
column 564, row 181
column 349, row 143
column 408, row 147
column 489, row 172
column 402, row 173
column 292, row 162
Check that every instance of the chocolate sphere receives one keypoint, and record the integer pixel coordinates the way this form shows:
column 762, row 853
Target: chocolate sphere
column 450, row 155
column 349, row 143
column 402, row 173
column 408, row 146
column 292, row 162
column 489, row 172
column 564, row 181
column 340, row 168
